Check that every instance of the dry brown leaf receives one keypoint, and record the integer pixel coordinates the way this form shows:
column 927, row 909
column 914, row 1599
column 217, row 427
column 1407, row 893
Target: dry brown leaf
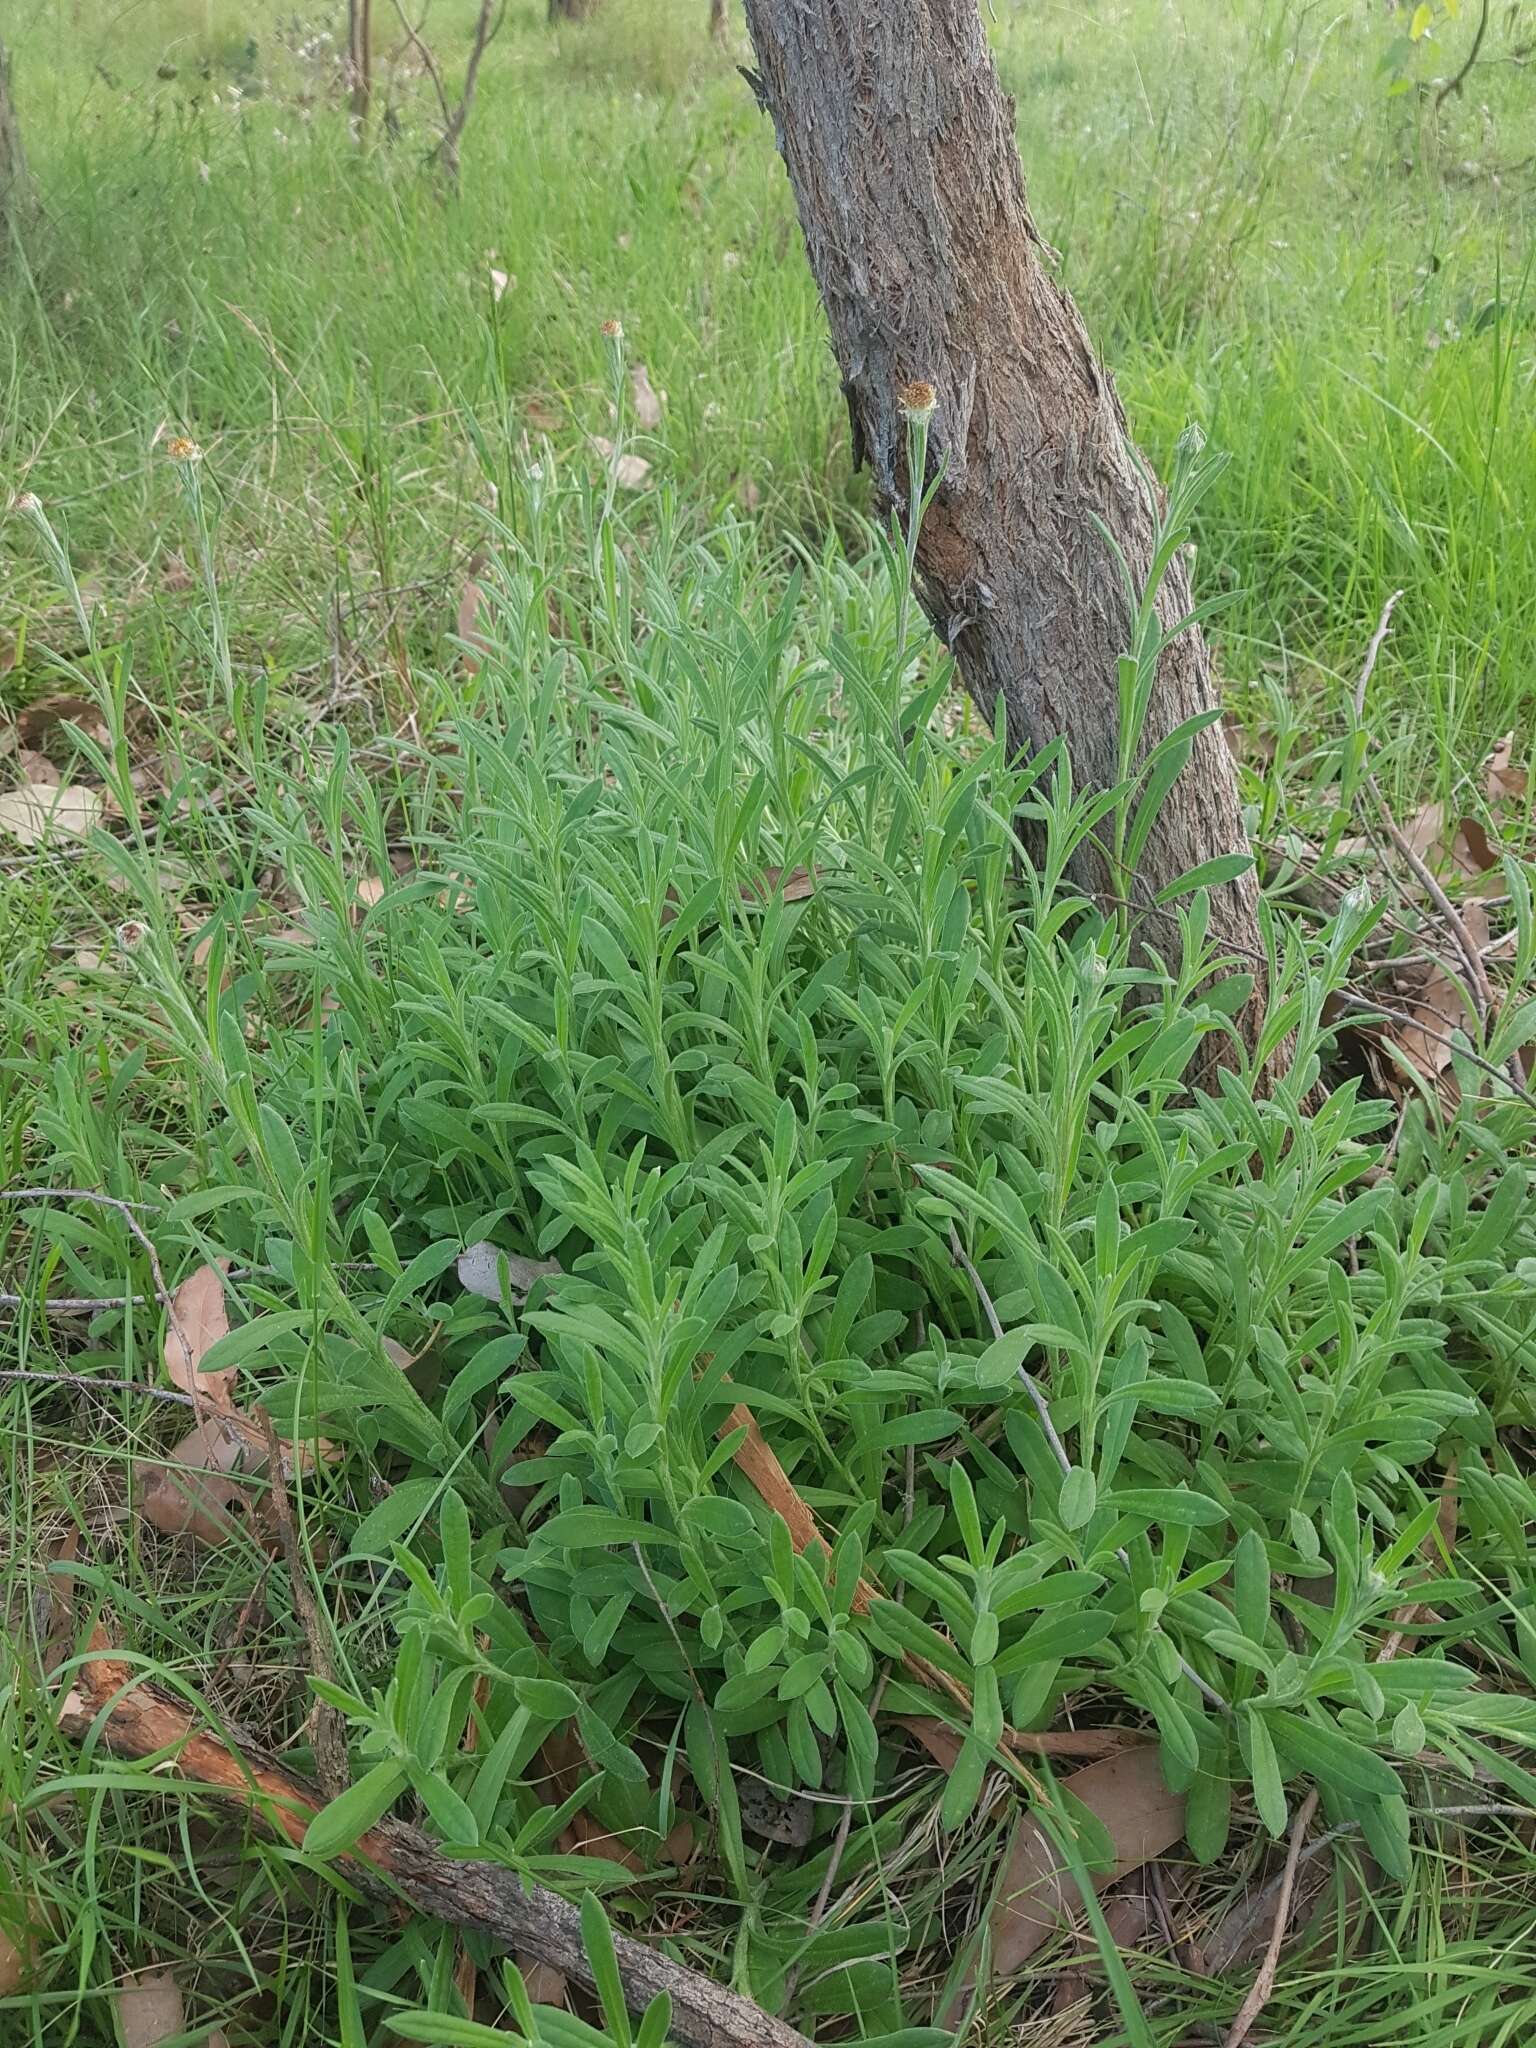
column 199, row 1314
column 585, row 1836
column 59, row 1597
column 1127, row 1920
column 1425, row 830
column 369, row 891
column 937, row 1737
column 1244, row 744
column 1472, row 851
column 775, row 1816
column 542, row 414
column 793, row 884
column 566, row 1767
column 37, row 770
column 465, row 1978
column 191, row 1493
column 679, row 1846
column 175, row 576
column 647, row 400
column 750, row 494
column 23, row 1931
column 149, row 2009
column 15, row 1961
column 37, row 813
column 37, row 721
column 629, row 470
column 546, row 1985
column 475, row 642
column 757, row 1461
column 1037, row 1890
column 1460, row 844
column 1438, row 1011
column 1500, row 777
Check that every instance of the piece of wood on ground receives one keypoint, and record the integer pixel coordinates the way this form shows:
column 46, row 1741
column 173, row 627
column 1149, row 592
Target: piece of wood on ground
column 131, row 1717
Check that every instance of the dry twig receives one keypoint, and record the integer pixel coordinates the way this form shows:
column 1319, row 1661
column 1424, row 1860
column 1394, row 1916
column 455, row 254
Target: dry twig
column 90, row 1382
column 125, row 1210
column 1262, row 1988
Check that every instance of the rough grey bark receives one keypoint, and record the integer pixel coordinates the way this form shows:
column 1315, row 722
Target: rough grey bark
column 13, row 163
column 899, row 143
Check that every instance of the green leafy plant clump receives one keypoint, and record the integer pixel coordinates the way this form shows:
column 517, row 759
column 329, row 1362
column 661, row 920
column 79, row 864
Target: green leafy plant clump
column 700, row 974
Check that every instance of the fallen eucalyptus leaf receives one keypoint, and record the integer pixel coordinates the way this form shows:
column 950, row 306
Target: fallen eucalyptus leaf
column 38, row 812
column 199, row 1316
column 1037, row 1891
column 191, row 1492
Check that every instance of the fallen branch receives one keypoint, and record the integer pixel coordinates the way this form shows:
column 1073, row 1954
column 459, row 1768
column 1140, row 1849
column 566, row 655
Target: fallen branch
column 133, row 1718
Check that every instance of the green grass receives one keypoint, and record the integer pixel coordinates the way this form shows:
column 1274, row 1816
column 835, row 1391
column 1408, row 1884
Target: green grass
column 576, row 1023
column 1330, row 280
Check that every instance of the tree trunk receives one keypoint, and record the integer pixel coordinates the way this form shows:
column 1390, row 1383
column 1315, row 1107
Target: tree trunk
column 360, row 58
column 13, row 164
column 900, row 148
column 717, row 20
column 573, row 10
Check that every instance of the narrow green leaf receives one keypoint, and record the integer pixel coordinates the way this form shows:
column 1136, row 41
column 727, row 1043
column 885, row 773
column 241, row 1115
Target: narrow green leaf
column 348, row 1818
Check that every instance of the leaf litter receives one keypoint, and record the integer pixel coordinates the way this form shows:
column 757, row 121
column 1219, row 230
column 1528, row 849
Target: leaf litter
column 39, row 812
column 198, row 1487
column 1431, row 1007
column 630, row 471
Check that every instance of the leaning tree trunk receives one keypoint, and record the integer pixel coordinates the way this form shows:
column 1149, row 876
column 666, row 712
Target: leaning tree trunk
column 13, row 165
column 900, row 147
column 360, row 59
